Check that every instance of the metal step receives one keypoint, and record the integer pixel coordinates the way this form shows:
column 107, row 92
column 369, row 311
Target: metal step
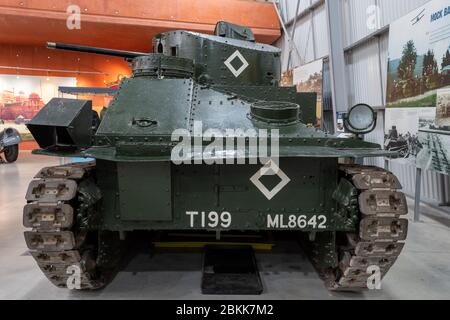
column 230, row 270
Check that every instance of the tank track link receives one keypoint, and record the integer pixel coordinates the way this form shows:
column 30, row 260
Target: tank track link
column 382, row 230
column 56, row 241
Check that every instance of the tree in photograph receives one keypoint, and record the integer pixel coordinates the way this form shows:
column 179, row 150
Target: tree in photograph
column 430, row 71
column 408, row 61
column 445, row 73
column 430, row 66
column 446, row 59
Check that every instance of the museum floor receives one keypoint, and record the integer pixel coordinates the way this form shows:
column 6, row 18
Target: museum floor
column 422, row 272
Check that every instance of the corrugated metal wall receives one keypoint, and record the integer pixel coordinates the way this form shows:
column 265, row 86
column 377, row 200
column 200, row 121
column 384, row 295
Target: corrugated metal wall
column 311, row 34
column 366, row 65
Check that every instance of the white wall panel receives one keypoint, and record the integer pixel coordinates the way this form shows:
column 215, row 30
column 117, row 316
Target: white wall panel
column 355, row 13
column 304, row 40
column 311, row 33
column 321, row 32
column 391, row 10
column 363, row 73
column 282, row 44
column 358, row 12
column 384, row 46
column 431, row 182
column 364, row 66
column 288, row 7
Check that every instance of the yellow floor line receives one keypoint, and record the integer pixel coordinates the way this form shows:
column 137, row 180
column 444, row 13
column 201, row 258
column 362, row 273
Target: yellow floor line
column 255, row 246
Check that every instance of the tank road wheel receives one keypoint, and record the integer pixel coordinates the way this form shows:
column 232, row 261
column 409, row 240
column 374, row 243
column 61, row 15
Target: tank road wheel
column 61, row 210
column 366, row 256
column 11, row 153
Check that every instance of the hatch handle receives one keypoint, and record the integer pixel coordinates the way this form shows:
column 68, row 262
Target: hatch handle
column 144, row 122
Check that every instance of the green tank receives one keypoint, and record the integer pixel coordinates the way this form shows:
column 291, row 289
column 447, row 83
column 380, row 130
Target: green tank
column 202, row 138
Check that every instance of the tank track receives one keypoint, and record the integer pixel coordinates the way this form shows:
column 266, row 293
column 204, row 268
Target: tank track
column 59, row 198
column 382, row 231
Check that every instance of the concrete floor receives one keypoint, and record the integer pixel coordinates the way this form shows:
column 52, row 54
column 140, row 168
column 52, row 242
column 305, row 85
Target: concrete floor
column 422, row 271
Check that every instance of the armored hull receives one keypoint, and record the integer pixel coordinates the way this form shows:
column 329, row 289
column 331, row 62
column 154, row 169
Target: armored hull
column 194, row 141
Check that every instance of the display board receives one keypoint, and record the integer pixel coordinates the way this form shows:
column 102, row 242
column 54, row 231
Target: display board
column 21, row 98
column 309, row 78
column 417, row 122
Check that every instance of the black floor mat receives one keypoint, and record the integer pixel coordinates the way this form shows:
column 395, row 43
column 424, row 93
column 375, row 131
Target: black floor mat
column 230, row 270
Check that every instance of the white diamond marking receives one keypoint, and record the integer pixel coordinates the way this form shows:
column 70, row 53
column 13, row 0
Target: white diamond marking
column 244, row 66
column 270, row 168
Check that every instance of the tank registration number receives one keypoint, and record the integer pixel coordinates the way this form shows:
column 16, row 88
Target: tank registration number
column 280, row 221
column 224, row 220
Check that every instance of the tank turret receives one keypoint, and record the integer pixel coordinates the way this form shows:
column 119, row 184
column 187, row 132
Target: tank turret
column 230, row 57
column 224, row 59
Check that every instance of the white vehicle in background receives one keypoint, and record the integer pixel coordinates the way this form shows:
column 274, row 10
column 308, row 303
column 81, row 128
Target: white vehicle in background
column 20, row 120
column 9, row 143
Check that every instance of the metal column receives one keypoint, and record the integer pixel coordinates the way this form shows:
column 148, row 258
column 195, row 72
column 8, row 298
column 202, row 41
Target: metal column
column 417, row 195
column 287, row 34
column 337, row 59
column 444, row 194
